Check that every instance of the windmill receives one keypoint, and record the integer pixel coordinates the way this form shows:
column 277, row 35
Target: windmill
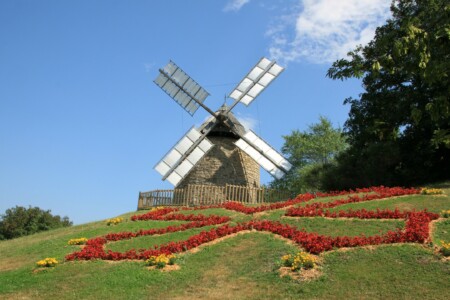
column 205, row 155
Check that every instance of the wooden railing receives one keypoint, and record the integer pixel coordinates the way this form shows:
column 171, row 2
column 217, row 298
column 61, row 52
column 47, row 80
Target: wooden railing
column 194, row 195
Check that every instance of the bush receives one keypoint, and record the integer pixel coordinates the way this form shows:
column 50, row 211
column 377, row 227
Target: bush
column 20, row 221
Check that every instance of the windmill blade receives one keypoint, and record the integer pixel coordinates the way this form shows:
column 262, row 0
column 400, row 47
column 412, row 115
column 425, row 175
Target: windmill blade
column 262, row 74
column 182, row 88
column 267, row 157
column 180, row 160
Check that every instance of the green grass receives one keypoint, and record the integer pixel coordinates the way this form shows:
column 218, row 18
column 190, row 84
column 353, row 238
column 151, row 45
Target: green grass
column 240, row 267
column 416, row 202
column 146, row 242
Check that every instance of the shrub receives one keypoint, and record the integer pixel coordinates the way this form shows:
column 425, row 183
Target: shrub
column 20, row 221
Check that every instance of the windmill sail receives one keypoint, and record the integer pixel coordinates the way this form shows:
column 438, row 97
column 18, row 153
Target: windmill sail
column 177, row 163
column 256, row 81
column 181, row 87
column 182, row 158
column 267, row 157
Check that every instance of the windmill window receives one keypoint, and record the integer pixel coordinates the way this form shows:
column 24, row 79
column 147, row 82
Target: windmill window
column 255, row 73
column 264, row 63
column 275, row 70
column 255, row 90
column 172, row 157
column 266, row 79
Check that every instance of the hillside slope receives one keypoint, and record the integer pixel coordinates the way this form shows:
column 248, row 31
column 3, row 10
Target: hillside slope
column 241, row 266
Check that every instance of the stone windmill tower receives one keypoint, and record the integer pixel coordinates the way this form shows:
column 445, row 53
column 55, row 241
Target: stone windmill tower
column 225, row 163
column 221, row 151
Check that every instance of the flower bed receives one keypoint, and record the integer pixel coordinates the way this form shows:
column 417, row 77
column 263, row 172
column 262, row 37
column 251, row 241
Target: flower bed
column 416, row 227
column 239, row 207
column 317, row 209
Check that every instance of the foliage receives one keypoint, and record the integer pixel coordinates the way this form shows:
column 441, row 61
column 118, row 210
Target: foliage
column 399, row 128
column 20, row 221
column 445, row 213
column 311, row 152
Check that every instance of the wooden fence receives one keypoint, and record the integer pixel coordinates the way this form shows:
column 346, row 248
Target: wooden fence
column 194, row 195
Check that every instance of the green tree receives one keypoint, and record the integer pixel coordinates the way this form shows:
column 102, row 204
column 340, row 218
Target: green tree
column 311, row 152
column 20, row 221
column 399, row 128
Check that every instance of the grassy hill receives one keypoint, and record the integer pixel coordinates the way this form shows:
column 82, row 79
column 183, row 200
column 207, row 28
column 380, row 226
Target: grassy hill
column 241, row 266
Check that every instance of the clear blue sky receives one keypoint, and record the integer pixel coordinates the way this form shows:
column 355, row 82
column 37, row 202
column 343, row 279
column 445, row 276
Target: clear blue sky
column 81, row 122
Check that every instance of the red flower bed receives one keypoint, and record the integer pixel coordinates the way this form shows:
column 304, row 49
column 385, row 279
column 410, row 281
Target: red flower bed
column 316, row 209
column 239, row 207
column 416, row 227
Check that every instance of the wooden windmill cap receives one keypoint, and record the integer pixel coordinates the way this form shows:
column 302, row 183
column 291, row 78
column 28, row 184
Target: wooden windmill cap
column 226, row 125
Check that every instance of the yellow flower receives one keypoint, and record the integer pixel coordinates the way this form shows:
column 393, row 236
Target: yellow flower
column 47, row 262
column 161, row 260
column 428, row 191
column 79, row 241
column 299, row 261
column 114, row 221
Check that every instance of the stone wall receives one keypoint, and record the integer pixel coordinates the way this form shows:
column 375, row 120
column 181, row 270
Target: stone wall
column 224, row 164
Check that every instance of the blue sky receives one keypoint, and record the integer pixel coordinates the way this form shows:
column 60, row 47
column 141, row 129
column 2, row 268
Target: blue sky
column 81, row 122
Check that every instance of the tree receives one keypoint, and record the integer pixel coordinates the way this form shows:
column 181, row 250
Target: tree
column 399, row 128
column 311, row 152
column 20, row 221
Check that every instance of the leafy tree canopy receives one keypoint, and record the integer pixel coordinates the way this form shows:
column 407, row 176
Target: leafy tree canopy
column 407, row 63
column 20, row 221
column 400, row 126
column 310, row 152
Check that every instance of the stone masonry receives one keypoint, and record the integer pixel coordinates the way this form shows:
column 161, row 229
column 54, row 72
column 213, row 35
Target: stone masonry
column 224, row 164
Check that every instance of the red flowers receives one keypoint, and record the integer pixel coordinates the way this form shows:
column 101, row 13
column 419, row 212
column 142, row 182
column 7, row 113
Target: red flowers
column 239, row 207
column 316, row 209
column 416, row 228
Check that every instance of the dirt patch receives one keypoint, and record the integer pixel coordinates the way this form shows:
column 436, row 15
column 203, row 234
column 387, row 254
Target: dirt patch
column 21, row 295
column 303, row 275
column 167, row 268
column 432, row 228
column 12, row 263
column 260, row 214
